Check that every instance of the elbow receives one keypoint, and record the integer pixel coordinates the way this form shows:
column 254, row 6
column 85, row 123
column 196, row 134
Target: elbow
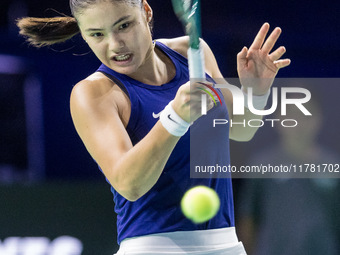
column 247, row 138
column 129, row 185
column 131, row 196
column 123, row 184
column 241, row 139
column 128, row 191
column 244, row 137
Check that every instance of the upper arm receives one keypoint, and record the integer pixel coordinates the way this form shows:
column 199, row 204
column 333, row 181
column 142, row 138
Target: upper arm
column 97, row 120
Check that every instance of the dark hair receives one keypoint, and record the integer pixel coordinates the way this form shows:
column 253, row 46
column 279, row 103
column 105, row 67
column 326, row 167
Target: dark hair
column 41, row 32
column 47, row 31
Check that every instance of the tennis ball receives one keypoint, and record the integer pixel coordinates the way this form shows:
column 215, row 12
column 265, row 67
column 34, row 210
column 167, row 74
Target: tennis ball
column 200, row 204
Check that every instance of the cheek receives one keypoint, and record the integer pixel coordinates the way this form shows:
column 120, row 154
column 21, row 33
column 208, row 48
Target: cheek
column 98, row 50
column 142, row 32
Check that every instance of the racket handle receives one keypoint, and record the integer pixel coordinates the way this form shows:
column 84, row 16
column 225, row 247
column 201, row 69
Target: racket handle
column 196, row 63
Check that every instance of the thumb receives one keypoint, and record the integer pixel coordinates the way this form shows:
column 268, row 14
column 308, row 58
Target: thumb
column 242, row 57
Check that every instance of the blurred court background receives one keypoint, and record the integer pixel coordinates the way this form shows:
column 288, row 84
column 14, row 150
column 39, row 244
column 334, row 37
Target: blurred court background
column 53, row 198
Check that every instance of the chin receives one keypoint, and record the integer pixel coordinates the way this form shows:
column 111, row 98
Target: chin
column 122, row 70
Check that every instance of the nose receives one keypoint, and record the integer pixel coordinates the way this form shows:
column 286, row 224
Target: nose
column 116, row 43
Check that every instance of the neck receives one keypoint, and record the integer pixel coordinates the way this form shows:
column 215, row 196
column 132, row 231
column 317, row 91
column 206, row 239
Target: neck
column 157, row 68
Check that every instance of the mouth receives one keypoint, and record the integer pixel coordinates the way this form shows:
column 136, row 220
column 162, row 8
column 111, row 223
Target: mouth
column 122, row 57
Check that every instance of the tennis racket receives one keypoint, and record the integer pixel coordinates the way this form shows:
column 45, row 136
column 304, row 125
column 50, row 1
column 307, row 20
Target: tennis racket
column 188, row 12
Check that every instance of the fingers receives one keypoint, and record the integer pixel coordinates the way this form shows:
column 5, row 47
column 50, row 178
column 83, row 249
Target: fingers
column 261, row 35
column 204, row 95
column 242, row 58
column 282, row 63
column 259, row 41
column 242, row 54
column 208, row 88
column 201, row 101
column 277, row 53
column 270, row 42
column 188, row 102
column 265, row 46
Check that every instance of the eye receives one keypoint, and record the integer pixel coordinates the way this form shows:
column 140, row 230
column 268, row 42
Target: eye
column 97, row 34
column 124, row 26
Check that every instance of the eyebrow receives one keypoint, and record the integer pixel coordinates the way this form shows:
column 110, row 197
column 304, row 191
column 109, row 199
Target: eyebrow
column 117, row 22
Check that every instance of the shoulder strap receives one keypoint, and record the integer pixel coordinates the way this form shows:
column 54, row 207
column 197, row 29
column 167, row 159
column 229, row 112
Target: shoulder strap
column 115, row 80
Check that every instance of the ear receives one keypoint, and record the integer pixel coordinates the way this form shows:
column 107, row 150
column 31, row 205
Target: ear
column 148, row 11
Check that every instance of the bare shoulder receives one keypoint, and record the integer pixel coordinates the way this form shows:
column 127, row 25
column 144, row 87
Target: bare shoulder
column 94, row 86
column 98, row 95
column 179, row 44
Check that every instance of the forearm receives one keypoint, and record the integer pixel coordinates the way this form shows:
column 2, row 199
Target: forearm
column 241, row 129
column 248, row 123
column 140, row 167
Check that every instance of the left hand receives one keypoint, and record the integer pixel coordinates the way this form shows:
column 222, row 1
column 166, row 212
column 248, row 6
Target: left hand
column 257, row 67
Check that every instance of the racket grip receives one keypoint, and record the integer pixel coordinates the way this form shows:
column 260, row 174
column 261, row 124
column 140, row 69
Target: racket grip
column 196, row 63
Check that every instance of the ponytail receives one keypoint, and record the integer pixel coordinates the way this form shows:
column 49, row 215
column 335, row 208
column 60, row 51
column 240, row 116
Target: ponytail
column 41, row 32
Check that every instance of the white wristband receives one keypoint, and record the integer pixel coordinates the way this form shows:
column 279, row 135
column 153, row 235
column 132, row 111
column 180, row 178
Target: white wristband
column 172, row 122
column 259, row 102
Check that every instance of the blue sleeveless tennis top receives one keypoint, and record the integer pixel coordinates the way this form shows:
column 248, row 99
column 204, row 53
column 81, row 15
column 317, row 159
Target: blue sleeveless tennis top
column 159, row 209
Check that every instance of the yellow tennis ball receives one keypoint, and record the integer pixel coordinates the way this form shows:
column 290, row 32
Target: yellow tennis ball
column 200, row 204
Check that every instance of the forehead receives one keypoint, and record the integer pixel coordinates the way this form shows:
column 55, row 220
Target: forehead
column 104, row 12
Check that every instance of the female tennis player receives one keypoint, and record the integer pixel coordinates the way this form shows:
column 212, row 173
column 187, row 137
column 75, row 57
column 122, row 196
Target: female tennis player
column 144, row 157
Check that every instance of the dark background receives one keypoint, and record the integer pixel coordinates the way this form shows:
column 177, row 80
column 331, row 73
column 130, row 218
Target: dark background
column 310, row 35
